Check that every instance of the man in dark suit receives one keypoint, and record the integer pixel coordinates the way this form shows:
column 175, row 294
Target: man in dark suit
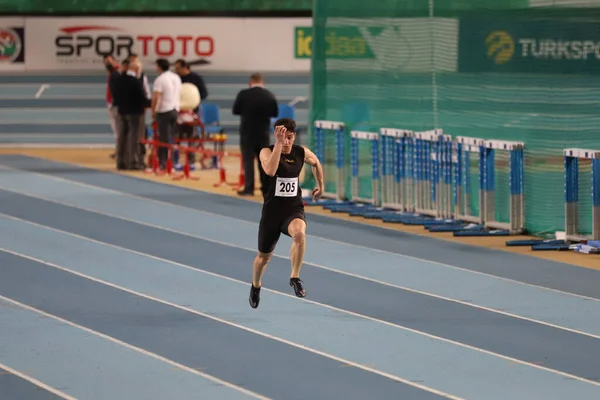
column 256, row 106
column 132, row 101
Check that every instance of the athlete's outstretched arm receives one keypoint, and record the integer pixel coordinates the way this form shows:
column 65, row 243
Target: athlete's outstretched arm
column 317, row 169
column 270, row 159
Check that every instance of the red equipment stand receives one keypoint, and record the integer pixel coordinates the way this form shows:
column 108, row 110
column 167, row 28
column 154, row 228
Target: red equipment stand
column 223, row 174
column 217, row 155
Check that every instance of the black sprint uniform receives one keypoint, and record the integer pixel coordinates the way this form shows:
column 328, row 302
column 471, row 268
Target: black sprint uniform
column 283, row 200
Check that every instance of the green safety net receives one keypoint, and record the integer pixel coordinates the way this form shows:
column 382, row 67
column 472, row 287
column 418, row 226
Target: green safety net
column 523, row 70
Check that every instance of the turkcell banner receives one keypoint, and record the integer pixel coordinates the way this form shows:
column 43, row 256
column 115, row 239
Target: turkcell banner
column 534, row 46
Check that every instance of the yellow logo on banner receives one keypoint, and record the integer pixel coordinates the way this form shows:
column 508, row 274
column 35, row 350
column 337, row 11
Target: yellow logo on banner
column 500, row 47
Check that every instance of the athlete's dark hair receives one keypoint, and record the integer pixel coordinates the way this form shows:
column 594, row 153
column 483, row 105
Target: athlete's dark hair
column 289, row 124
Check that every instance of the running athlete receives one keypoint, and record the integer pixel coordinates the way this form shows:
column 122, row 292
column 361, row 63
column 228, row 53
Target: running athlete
column 283, row 209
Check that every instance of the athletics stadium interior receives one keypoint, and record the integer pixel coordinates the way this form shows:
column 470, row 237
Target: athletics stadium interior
column 460, row 143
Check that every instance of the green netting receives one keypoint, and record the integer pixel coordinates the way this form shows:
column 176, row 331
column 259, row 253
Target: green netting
column 507, row 70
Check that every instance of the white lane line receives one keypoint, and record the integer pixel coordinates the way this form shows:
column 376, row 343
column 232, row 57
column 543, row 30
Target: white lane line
column 35, row 381
column 41, row 90
column 354, row 314
column 232, row 324
column 296, row 100
column 121, row 343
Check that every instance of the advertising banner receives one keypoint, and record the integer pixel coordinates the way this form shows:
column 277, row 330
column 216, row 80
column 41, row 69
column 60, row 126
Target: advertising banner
column 227, row 44
column 390, row 44
column 12, row 44
column 534, row 46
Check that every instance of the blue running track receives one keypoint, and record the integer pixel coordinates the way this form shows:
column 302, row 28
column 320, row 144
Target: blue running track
column 114, row 287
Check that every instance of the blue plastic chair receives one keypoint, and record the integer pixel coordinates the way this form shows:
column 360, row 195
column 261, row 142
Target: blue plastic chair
column 211, row 118
column 284, row 111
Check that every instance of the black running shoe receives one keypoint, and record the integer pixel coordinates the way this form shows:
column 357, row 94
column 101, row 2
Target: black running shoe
column 296, row 283
column 254, row 296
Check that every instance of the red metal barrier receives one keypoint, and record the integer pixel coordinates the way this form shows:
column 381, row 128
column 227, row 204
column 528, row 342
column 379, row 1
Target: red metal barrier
column 217, row 155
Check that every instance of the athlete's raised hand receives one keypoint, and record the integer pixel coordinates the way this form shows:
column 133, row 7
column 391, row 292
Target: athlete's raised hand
column 280, row 132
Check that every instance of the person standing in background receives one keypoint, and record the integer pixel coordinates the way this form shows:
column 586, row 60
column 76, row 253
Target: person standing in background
column 255, row 106
column 113, row 114
column 187, row 131
column 133, row 57
column 166, row 99
column 132, row 102
column 187, row 76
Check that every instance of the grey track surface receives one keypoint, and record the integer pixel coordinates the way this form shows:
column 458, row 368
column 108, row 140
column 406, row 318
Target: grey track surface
column 527, row 269
column 236, row 356
column 16, row 388
column 520, row 339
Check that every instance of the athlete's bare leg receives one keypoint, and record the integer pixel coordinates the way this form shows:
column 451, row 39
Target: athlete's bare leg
column 297, row 230
column 260, row 265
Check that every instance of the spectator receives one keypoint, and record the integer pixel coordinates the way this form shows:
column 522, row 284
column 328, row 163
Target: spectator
column 186, row 131
column 255, row 105
column 134, row 57
column 113, row 74
column 124, row 67
column 187, row 76
column 132, row 102
column 165, row 106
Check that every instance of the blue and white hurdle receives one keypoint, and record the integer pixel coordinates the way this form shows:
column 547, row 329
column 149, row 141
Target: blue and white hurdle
column 571, row 161
column 487, row 189
column 322, row 129
column 396, row 169
column 364, row 204
column 431, row 155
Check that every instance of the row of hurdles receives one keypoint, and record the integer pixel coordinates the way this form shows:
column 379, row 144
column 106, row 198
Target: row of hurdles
column 422, row 178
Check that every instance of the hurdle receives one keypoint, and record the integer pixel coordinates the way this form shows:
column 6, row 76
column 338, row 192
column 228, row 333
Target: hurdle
column 396, row 170
column 461, row 160
column 491, row 226
column 361, row 205
column 571, row 161
column 322, row 129
column 431, row 166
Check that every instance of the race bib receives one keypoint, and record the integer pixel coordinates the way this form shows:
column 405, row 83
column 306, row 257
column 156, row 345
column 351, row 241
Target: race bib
column 286, row 187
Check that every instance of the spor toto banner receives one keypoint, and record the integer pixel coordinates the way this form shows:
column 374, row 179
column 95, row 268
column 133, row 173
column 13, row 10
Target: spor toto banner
column 233, row 44
column 534, row 46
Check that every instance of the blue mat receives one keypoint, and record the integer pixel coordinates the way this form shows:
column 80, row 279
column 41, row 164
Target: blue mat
column 323, row 202
column 481, row 232
column 401, row 218
column 550, row 247
column 531, row 242
column 437, row 222
column 359, row 211
column 447, row 228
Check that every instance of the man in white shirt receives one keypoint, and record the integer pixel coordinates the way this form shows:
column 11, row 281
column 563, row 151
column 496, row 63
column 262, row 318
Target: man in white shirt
column 166, row 97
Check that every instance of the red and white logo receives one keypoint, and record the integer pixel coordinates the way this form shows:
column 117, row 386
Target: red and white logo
column 85, row 43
